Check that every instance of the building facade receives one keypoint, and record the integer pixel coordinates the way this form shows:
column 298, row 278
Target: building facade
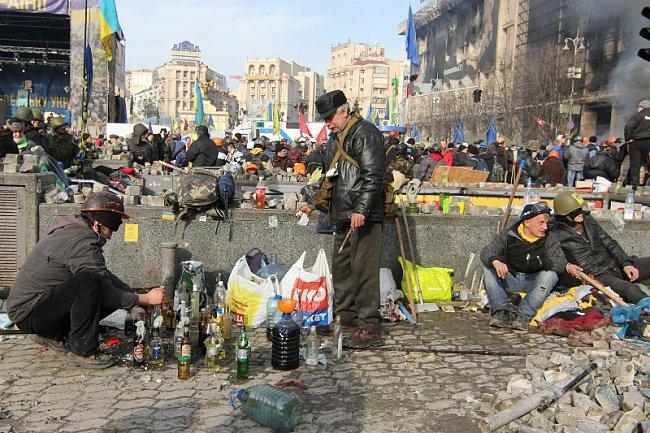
column 287, row 85
column 138, row 80
column 542, row 67
column 367, row 77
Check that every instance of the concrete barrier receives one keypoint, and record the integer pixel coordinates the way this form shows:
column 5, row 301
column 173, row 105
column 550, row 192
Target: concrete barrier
column 445, row 241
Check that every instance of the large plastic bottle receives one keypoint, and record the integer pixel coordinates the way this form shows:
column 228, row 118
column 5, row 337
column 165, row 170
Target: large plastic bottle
column 272, row 407
column 628, row 210
column 285, row 340
column 273, row 314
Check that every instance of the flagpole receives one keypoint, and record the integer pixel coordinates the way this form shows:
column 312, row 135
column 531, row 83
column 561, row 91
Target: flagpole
column 84, row 95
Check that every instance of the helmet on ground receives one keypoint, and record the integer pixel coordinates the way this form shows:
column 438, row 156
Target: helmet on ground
column 567, row 202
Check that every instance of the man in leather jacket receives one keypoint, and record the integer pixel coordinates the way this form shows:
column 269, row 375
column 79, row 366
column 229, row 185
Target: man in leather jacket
column 588, row 248
column 355, row 151
column 140, row 150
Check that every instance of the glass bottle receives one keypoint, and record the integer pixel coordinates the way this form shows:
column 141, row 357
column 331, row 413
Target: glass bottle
column 185, row 359
column 312, row 348
column 139, row 346
column 214, row 349
column 195, row 315
column 338, row 338
column 243, row 354
column 156, row 353
column 179, row 334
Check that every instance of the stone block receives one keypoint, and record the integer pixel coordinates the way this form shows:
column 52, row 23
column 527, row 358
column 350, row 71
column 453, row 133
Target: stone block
column 591, row 426
column 632, row 399
column 153, row 200
column 623, row 373
column 596, row 414
column 582, row 401
column 561, row 359
column 10, row 168
column 606, row 397
column 630, row 421
column 519, row 385
column 553, row 376
column 569, row 416
column 12, row 158
column 133, row 190
column 131, row 200
column 30, row 159
column 28, row 167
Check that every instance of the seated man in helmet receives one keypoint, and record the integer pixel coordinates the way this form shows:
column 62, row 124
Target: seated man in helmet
column 588, row 248
column 64, row 288
column 521, row 259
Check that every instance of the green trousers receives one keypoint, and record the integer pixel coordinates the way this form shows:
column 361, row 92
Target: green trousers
column 355, row 274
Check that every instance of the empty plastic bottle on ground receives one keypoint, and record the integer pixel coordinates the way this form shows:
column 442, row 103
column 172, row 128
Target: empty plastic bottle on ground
column 272, row 407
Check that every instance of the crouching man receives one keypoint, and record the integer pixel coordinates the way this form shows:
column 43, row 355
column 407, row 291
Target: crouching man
column 64, row 287
column 521, row 259
column 588, row 248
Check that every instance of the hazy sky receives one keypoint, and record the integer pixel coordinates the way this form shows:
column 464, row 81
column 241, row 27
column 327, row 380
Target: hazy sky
column 230, row 31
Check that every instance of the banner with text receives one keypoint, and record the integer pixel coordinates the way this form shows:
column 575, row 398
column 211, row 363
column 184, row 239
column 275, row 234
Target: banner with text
column 59, row 7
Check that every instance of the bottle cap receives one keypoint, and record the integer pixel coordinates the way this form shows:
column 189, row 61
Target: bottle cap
column 287, row 306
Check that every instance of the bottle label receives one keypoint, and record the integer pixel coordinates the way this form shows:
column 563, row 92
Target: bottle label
column 211, row 352
column 138, row 352
column 156, row 352
column 242, row 354
column 186, row 353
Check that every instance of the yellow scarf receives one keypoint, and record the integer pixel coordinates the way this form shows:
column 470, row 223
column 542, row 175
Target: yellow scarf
column 528, row 238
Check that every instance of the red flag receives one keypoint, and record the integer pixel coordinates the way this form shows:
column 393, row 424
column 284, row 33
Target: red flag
column 322, row 136
column 304, row 128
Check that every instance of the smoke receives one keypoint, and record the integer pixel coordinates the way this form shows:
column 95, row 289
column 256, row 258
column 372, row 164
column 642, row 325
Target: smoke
column 629, row 80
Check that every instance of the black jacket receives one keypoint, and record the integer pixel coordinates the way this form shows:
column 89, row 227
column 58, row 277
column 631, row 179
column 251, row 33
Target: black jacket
column 638, row 127
column 70, row 250
column 522, row 256
column 601, row 164
column 7, row 143
column 203, row 153
column 358, row 190
column 140, row 152
column 596, row 253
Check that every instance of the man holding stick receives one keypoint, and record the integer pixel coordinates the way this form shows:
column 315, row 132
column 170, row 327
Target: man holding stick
column 355, row 158
column 588, row 248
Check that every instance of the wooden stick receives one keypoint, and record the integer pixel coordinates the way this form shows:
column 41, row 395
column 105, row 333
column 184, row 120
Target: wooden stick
column 173, row 167
column 412, row 252
column 345, row 240
column 409, row 288
column 607, row 291
column 506, row 216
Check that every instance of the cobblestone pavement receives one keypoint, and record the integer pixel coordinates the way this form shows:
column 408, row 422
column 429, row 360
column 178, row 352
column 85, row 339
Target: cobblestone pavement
column 371, row 392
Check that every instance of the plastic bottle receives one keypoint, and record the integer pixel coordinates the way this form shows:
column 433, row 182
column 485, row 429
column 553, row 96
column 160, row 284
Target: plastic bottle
column 273, row 314
column 338, row 338
column 271, row 407
column 156, row 354
column 260, row 195
column 243, row 354
column 313, row 348
column 528, row 194
column 628, row 213
column 285, row 346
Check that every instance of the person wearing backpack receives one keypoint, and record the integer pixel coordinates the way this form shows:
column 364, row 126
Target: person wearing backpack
column 355, row 156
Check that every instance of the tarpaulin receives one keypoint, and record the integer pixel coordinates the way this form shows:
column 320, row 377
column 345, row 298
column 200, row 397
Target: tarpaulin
column 59, row 7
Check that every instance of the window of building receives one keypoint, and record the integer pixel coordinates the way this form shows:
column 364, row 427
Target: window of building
column 262, row 70
column 178, row 75
column 178, row 105
column 185, row 74
column 251, row 70
column 185, row 94
column 192, row 76
column 272, row 70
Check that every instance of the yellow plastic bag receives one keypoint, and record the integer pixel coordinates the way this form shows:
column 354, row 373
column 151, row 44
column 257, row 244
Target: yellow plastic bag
column 247, row 295
column 436, row 283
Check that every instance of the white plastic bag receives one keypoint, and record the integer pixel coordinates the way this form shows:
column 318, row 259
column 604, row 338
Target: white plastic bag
column 311, row 288
column 247, row 295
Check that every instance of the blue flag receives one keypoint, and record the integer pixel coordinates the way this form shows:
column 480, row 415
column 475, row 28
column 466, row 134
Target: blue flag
column 458, row 135
column 411, row 41
column 491, row 135
column 88, row 68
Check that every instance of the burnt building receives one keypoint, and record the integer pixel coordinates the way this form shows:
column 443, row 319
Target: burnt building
column 542, row 67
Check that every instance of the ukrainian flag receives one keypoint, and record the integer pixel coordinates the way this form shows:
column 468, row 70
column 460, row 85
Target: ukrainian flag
column 109, row 25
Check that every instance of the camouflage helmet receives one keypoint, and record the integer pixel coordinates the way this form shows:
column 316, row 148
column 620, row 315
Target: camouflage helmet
column 567, row 202
column 37, row 114
column 24, row 114
column 57, row 122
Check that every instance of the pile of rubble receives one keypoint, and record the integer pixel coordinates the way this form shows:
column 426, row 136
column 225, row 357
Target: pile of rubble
column 615, row 397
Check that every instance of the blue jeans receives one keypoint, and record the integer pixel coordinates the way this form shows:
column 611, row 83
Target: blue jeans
column 572, row 176
column 537, row 287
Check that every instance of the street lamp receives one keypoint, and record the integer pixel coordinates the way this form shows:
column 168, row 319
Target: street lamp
column 574, row 72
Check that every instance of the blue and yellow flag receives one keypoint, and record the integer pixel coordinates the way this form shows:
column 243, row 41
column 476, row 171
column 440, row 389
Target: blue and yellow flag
column 109, row 26
column 276, row 119
column 199, row 114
